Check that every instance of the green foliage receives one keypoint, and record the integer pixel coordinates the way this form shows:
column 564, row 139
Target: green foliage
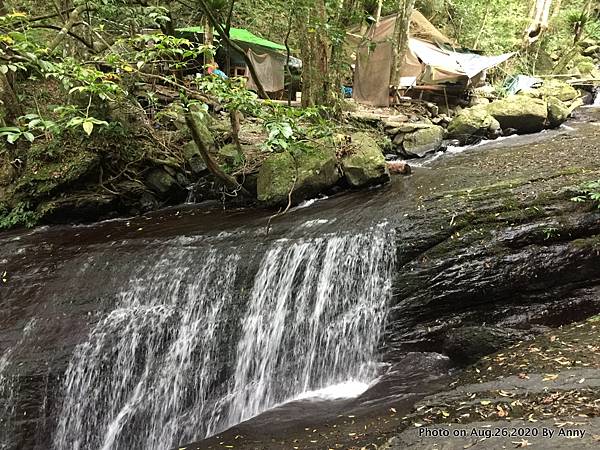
column 20, row 215
column 13, row 134
column 589, row 192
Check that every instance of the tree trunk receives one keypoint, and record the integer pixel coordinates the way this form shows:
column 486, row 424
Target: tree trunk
column 214, row 168
column 539, row 21
column 225, row 35
column 73, row 19
column 338, row 61
column 12, row 105
column 208, row 40
column 378, row 12
column 400, row 40
column 315, row 56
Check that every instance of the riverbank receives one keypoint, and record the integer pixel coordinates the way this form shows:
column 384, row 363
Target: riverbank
column 494, row 253
column 489, row 249
column 133, row 167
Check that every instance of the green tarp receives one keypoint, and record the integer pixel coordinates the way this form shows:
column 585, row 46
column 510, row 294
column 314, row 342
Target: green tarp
column 240, row 35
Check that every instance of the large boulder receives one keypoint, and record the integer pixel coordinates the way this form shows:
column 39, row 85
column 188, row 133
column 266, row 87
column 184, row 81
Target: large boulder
column 305, row 170
column 520, row 112
column 365, row 165
column 470, row 125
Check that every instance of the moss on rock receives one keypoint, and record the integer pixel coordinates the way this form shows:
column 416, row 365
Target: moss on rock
column 558, row 112
column 306, row 170
column 520, row 112
column 366, row 164
column 472, row 122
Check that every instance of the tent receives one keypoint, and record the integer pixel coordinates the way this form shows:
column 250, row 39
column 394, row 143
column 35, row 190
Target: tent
column 267, row 56
column 432, row 59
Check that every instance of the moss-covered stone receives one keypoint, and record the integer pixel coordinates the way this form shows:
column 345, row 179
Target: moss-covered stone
column 424, row 140
column 276, row 178
column 305, row 170
column 160, row 181
column 520, row 112
column 192, row 156
column 558, row 89
column 43, row 178
column 366, row 164
column 558, row 112
column 470, row 123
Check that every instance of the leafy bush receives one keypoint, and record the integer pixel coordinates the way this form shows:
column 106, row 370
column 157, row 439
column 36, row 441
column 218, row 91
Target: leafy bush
column 20, row 215
column 589, row 192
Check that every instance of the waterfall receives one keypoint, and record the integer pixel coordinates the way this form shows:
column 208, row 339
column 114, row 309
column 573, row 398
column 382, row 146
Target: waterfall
column 316, row 313
column 189, row 351
column 8, row 389
column 143, row 378
column 596, row 98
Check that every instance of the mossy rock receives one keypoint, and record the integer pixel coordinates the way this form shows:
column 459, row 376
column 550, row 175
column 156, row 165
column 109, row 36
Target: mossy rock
column 520, row 112
column 558, row 89
column 307, row 169
column 469, row 124
column 193, row 157
column 558, row 112
column 160, row 181
column 366, row 164
column 41, row 179
column 422, row 141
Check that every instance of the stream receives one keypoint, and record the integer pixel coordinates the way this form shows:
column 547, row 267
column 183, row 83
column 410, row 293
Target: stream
column 160, row 330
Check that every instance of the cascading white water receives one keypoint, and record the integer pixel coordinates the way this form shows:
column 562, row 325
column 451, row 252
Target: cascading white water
column 597, row 98
column 316, row 315
column 8, row 387
column 188, row 353
column 143, row 378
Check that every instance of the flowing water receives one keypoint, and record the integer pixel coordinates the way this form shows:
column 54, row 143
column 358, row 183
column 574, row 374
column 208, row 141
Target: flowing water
column 176, row 359
column 167, row 328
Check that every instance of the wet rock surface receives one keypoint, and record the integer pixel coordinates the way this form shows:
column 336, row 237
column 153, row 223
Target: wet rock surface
column 543, row 393
column 486, row 238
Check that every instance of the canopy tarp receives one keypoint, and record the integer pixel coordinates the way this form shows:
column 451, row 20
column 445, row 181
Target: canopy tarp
column 239, row 35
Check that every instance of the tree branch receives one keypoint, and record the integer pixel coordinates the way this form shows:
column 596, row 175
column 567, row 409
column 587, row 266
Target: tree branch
column 70, row 33
column 73, row 18
column 211, row 164
column 224, row 35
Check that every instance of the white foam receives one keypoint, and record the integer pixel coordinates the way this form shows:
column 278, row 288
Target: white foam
column 347, row 389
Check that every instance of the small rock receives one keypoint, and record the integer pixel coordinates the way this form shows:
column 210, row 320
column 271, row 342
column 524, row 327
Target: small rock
column 399, row 167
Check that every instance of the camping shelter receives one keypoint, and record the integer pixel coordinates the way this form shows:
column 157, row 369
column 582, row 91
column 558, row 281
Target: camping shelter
column 268, row 57
column 432, row 59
